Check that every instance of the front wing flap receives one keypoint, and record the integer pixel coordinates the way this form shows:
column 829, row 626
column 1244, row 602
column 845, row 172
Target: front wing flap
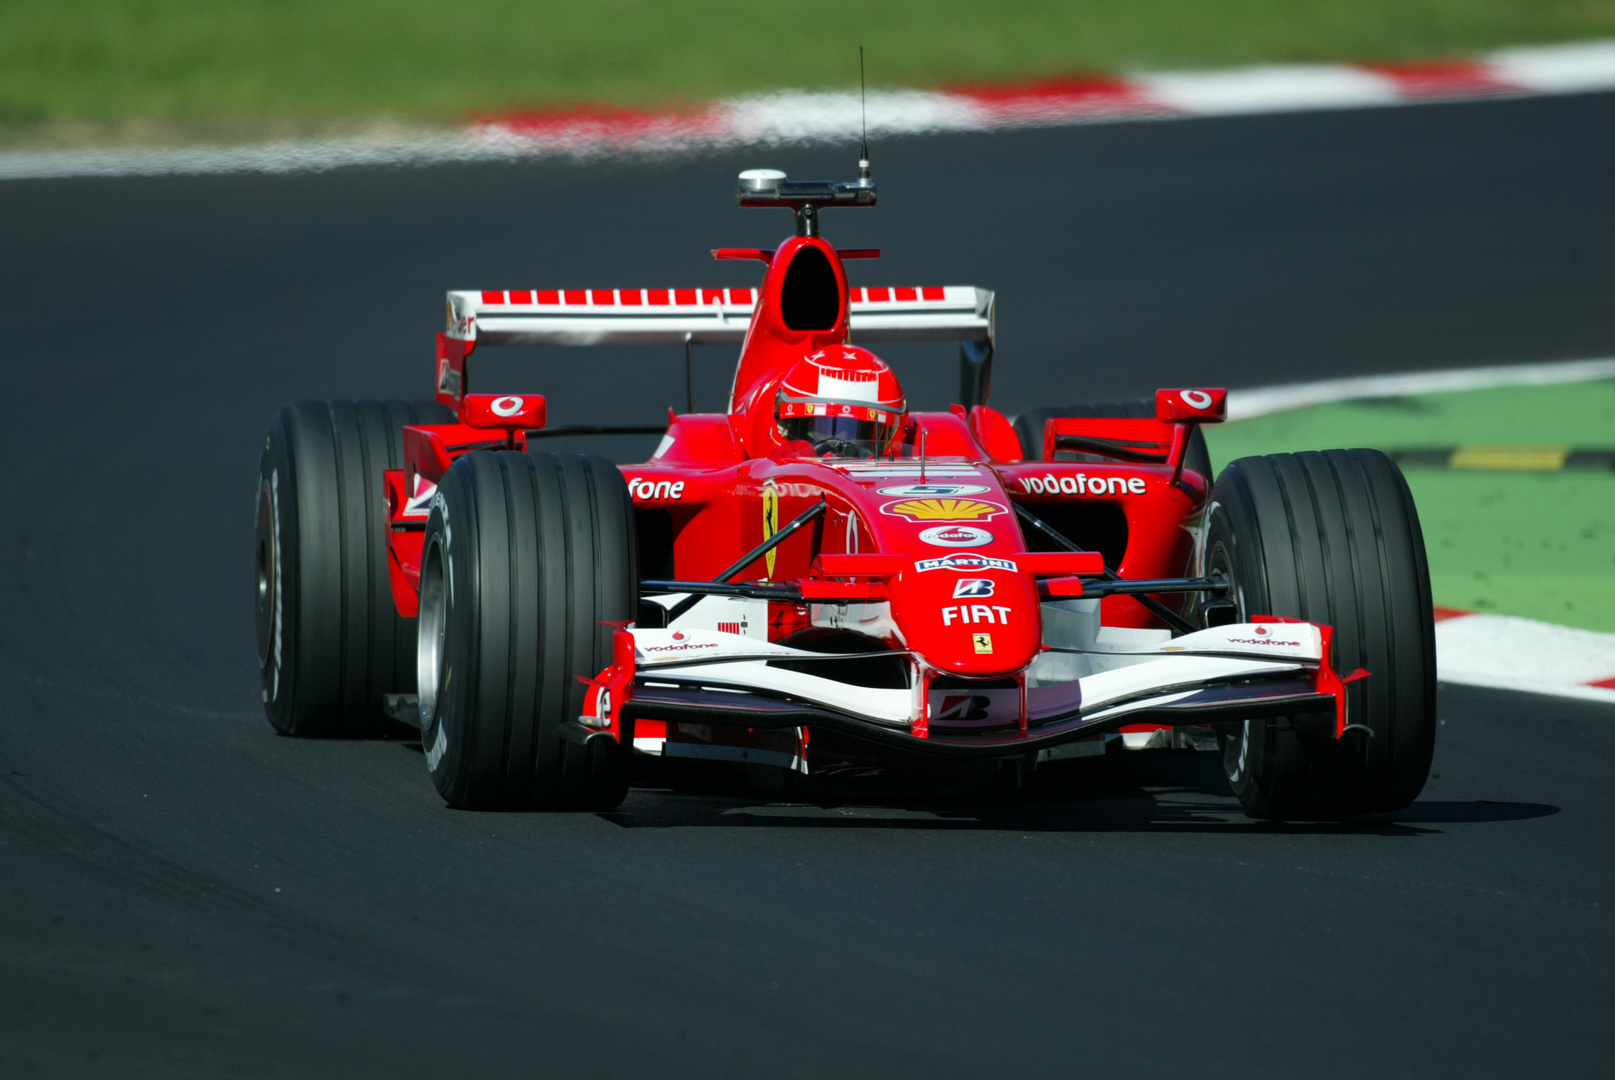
column 1225, row 675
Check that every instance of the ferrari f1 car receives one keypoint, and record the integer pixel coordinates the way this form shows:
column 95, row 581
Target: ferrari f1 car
column 819, row 573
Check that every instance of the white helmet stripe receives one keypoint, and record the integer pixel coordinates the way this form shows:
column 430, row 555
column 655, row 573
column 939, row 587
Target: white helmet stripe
column 834, row 388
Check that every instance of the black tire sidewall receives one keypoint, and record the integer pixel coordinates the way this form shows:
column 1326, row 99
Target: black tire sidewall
column 538, row 553
column 1332, row 537
column 445, row 731
column 338, row 643
column 277, row 678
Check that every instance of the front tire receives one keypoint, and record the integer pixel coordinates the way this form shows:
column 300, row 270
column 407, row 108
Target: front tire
column 527, row 558
column 1332, row 537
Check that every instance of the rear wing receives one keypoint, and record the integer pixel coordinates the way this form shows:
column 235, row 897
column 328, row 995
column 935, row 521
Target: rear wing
column 703, row 316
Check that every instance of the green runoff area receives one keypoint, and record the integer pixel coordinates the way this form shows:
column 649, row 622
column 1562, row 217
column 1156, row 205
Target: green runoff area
column 177, row 70
column 1537, row 542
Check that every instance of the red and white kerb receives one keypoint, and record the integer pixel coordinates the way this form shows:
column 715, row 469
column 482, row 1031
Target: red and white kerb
column 842, row 381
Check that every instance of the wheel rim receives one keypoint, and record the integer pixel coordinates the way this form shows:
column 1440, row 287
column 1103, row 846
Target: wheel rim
column 268, row 565
column 431, row 631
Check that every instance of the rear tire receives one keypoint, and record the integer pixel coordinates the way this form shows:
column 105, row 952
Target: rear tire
column 331, row 644
column 1332, row 537
column 1029, row 427
column 527, row 557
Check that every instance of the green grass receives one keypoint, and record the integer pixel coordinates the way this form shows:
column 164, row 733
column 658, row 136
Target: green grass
column 1540, row 545
column 208, row 64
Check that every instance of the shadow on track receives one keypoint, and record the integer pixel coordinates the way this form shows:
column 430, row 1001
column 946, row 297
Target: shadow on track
column 1149, row 791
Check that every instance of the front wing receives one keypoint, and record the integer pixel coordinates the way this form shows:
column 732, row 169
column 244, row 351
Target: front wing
column 1218, row 676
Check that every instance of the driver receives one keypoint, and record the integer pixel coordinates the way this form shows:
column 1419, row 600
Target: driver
column 842, row 401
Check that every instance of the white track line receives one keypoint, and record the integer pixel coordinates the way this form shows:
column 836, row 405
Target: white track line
column 803, row 118
column 1505, row 652
column 1247, row 404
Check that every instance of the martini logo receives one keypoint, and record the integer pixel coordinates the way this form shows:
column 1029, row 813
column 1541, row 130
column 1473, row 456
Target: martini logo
column 921, row 491
column 966, row 562
column 965, row 536
column 943, row 509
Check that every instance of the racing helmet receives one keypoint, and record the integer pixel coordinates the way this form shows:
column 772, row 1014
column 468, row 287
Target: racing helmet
column 843, row 401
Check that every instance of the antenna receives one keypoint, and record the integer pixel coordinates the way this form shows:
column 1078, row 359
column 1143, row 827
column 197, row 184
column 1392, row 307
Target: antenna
column 863, row 119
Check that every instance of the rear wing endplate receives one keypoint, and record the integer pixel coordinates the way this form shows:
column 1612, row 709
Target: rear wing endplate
column 702, row 316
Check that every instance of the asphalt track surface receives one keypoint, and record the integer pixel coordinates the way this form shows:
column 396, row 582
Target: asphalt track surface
column 184, row 893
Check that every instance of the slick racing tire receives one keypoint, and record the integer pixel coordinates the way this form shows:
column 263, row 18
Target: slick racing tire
column 528, row 558
column 1029, row 427
column 1332, row 537
column 331, row 645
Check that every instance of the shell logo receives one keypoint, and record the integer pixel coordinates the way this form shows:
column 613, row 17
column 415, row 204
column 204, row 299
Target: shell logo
column 944, row 509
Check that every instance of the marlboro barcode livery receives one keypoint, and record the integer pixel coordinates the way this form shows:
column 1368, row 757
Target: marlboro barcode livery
column 820, row 574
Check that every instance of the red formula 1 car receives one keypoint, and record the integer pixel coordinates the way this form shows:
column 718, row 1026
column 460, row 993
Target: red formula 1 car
column 820, row 575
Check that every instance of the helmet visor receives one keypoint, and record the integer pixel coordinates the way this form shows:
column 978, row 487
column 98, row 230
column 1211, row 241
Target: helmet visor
column 839, row 436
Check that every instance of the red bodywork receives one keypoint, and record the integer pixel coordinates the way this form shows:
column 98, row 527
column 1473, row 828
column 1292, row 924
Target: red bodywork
column 720, row 484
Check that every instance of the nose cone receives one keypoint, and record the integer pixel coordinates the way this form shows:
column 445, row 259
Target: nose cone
column 966, row 616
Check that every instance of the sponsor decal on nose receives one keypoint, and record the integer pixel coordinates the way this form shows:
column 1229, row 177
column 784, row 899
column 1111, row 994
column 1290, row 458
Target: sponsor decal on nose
column 920, row 491
column 957, row 536
column 966, row 562
column 944, row 509
column 1083, row 484
column 976, row 613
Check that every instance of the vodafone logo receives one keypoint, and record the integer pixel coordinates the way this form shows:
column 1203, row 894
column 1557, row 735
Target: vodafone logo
column 962, row 536
column 510, row 406
column 681, row 643
column 1196, row 399
column 1262, row 631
